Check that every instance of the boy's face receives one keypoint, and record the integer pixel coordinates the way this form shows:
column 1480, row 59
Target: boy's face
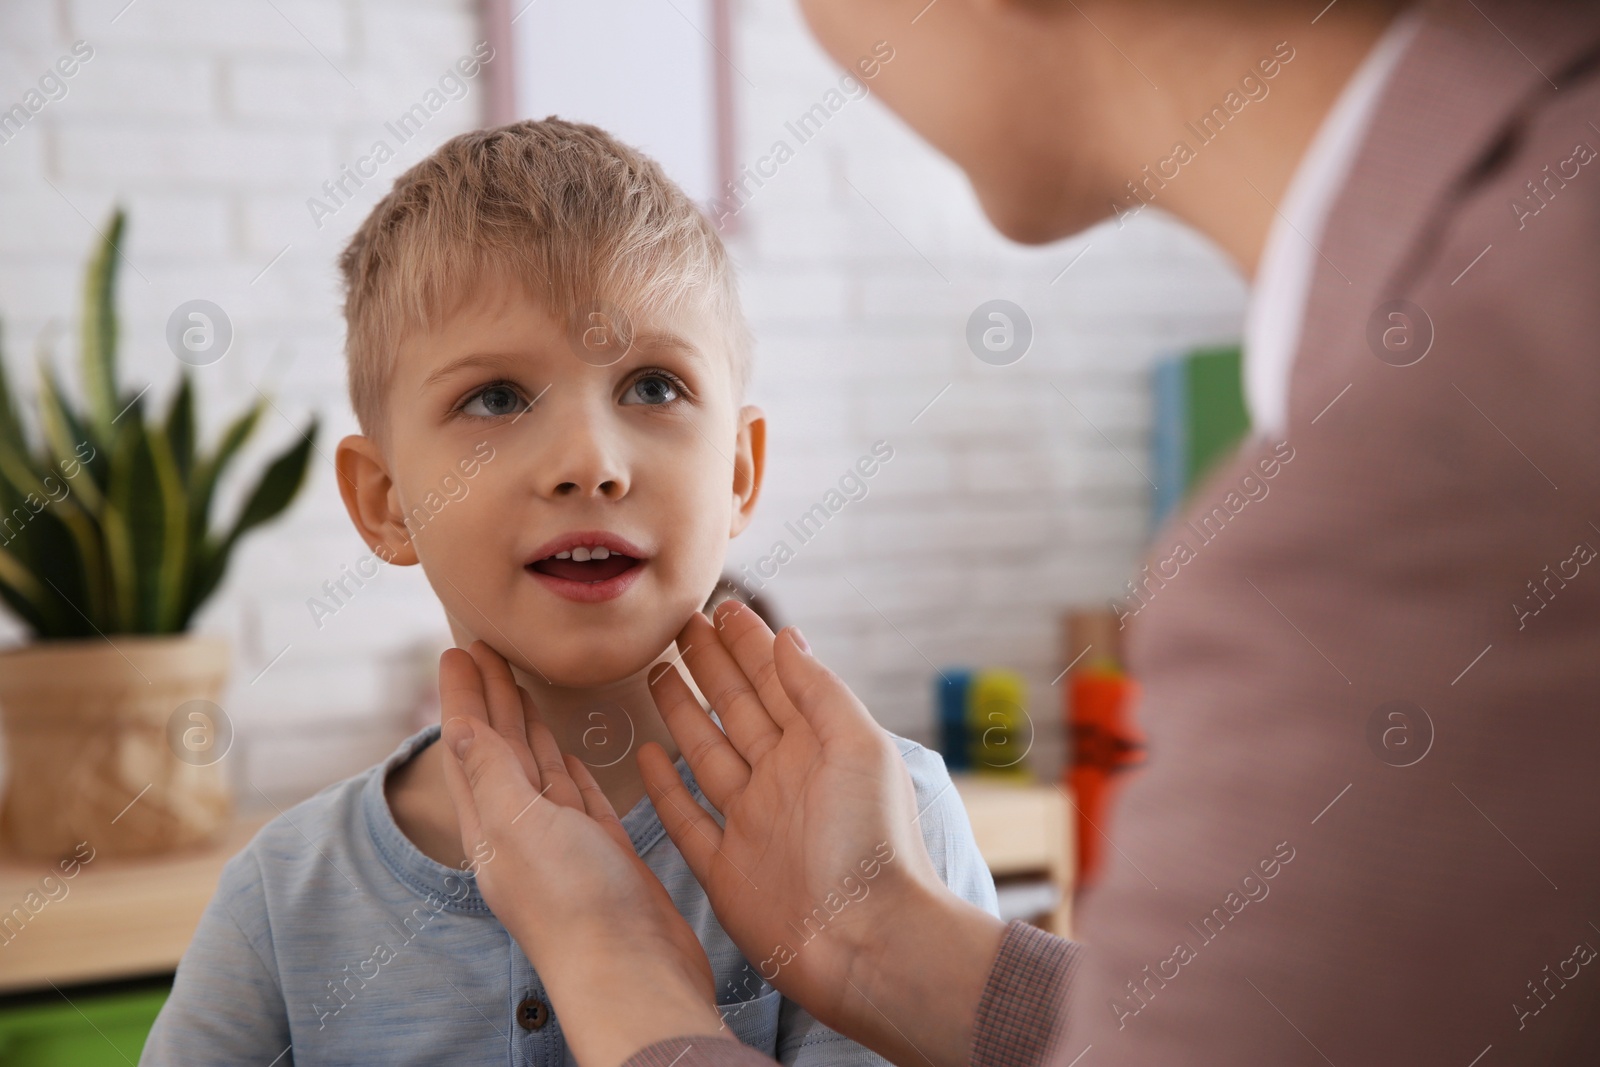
column 515, row 449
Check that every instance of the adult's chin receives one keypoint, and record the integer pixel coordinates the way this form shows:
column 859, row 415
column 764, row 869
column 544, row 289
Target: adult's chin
column 1035, row 215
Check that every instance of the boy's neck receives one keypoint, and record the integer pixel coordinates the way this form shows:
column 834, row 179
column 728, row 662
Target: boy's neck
column 603, row 727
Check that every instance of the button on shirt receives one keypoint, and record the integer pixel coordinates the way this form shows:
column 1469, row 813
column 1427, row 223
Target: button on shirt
column 533, row 1013
column 333, row 940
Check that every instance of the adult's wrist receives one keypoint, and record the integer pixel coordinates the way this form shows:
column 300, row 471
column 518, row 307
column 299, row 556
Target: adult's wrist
column 915, row 986
column 612, row 1004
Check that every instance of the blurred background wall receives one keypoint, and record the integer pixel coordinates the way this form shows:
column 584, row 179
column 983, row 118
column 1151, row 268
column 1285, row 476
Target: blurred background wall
column 1014, row 491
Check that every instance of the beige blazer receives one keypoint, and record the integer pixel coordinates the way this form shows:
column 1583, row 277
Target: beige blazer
column 1369, row 829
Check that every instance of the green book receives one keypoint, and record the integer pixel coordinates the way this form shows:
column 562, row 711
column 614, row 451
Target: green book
column 1200, row 418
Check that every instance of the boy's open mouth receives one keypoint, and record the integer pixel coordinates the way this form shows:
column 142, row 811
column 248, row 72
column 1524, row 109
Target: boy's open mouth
column 581, row 565
column 587, row 566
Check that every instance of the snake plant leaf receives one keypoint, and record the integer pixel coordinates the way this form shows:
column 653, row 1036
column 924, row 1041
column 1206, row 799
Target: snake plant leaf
column 100, row 328
column 52, row 524
column 8, row 500
column 67, row 570
column 203, row 482
column 25, row 610
column 180, row 426
column 24, row 593
column 42, row 528
column 118, row 612
column 67, row 438
column 173, row 578
column 138, row 533
column 10, row 423
column 278, row 486
column 271, row 495
column 20, row 472
column 22, row 550
column 203, row 573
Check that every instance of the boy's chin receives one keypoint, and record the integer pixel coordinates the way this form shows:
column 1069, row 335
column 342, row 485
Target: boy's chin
column 586, row 669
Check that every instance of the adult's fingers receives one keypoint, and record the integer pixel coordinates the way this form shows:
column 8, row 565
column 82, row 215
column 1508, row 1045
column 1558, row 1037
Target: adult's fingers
column 750, row 642
column 461, row 693
column 547, row 756
column 690, row 826
column 595, row 804
column 461, row 798
column 461, row 686
column 721, row 771
column 497, row 791
column 821, row 698
column 506, row 713
column 747, row 722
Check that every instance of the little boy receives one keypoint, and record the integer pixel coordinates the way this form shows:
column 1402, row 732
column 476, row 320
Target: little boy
column 539, row 309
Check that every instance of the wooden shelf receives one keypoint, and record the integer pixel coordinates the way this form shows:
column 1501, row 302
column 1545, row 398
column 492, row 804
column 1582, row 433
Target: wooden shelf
column 1023, row 828
column 119, row 918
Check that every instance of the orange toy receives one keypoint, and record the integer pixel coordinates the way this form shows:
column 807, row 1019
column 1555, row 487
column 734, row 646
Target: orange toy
column 1106, row 744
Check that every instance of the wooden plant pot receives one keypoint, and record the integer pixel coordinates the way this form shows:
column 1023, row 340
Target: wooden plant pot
column 118, row 745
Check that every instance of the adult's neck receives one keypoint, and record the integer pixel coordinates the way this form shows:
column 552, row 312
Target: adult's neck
column 1235, row 182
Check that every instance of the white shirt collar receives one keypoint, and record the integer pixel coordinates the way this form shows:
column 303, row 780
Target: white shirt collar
column 1289, row 258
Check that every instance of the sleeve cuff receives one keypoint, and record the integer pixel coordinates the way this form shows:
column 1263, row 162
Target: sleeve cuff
column 1022, row 1018
column 706, row 1050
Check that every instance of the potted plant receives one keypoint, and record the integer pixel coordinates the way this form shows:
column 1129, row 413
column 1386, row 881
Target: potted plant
column 107, row 551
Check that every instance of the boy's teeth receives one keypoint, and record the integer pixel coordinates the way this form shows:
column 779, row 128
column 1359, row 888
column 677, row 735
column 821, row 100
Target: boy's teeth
column 584, row 553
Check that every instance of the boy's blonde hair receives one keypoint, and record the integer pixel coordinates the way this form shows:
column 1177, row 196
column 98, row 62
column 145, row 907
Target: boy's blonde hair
column 578, row 218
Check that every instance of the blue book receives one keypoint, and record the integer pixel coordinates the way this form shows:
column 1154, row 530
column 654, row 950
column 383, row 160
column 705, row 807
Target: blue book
column 950, row 698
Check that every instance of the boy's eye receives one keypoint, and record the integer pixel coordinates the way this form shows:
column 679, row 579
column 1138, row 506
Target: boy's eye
column 493, row 401
column 653, row 389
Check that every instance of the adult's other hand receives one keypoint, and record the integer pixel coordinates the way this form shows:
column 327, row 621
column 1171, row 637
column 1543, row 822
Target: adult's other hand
column 819, row 824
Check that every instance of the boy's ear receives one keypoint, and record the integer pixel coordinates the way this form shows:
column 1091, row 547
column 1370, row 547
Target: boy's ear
column 749, row 464
column 369, row 497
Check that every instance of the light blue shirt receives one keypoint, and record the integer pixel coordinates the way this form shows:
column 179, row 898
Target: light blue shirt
column 333, row 940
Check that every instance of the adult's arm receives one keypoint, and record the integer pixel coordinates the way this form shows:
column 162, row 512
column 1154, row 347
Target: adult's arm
column 1019, row 1020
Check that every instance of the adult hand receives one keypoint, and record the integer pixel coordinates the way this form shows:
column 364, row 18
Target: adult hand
column 819, row 873
column 622, row 967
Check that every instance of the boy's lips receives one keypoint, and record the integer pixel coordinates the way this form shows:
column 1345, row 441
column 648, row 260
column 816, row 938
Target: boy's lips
column 588, row 566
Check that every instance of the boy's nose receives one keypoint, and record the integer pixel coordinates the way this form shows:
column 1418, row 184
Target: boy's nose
column 583, row 468
column 579, row 454
column 609, row 487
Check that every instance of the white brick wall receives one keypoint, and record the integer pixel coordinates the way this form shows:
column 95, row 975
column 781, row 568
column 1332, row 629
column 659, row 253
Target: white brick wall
column 215, row 122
